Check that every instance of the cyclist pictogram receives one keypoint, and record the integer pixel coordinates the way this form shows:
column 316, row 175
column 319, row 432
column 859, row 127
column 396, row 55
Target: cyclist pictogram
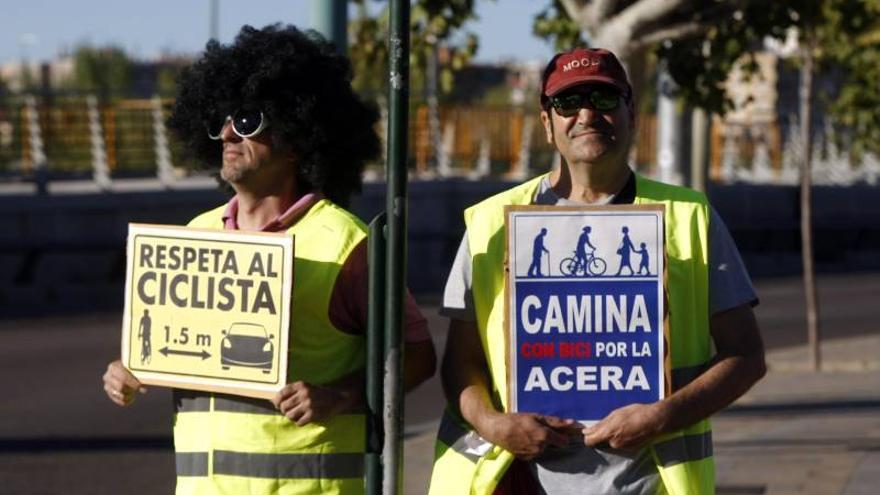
column 574, row 266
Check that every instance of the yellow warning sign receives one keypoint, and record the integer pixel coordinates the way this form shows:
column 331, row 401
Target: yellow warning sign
column 208, row 309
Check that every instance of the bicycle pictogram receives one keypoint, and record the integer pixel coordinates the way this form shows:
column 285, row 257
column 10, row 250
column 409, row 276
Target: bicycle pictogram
column 573, row 266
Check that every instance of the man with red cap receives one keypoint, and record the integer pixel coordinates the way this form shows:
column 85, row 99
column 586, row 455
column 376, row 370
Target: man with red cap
column 664, row 447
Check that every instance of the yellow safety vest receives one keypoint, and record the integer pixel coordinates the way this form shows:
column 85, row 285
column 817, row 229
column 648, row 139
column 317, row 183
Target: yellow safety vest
column 684, row 458
column 236, row 445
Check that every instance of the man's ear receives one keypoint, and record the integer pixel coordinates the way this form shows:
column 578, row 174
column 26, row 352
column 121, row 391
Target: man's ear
column 548, row 125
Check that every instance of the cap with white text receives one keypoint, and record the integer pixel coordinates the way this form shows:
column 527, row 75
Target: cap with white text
column 580, row 66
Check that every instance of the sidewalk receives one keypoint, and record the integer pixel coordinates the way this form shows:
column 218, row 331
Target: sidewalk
column 795, row 432
column 801, row 432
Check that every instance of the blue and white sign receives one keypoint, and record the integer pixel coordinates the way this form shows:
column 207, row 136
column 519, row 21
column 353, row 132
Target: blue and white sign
column 586, row 310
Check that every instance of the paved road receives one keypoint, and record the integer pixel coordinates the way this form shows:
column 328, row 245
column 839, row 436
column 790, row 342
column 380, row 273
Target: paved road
column 59, row 434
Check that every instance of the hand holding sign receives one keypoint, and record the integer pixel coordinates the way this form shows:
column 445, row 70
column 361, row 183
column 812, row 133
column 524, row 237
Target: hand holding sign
column 304, row 403
column 627, row 428
column 526, row 435
column 121, row 385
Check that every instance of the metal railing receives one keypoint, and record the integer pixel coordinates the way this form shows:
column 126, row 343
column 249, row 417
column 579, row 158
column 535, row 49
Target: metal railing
column 73, row 138
column 79, row 137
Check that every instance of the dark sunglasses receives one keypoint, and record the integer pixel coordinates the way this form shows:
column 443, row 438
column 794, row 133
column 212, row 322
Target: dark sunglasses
column 603, row 99
column 245, row 123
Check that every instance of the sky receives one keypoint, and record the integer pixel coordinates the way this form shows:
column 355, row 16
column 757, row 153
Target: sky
column 37, row 30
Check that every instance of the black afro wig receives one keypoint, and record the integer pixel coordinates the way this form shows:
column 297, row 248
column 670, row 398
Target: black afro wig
column 304, row 88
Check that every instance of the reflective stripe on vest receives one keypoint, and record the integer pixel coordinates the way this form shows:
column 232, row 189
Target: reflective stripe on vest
column 194, row 401
column 277, row 466
column 230, row 444
column 191, row 463
column 453, row 434
column 684, row 449
column 684, row 458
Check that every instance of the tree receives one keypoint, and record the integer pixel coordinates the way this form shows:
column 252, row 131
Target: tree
column 102, row 70
column 166, row 81
column 368, row 51
column 436, row 27
column 841, row 34
column 699, row 39
column 437, row 50
column 811, row 293
column 845, row 36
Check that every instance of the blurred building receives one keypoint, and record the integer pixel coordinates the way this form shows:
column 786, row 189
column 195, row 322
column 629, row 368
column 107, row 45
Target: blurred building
column 758, row 140
column 19, row 75
column 146, row 77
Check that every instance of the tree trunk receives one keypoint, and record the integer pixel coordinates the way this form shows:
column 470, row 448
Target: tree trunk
column 701, row 125
column 811, row 294
column 669, row 156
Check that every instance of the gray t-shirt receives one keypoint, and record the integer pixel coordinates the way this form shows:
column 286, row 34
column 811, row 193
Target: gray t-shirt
column 569, row 470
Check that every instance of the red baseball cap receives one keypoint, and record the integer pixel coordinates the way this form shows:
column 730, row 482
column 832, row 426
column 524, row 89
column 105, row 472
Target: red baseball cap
column 583, row 65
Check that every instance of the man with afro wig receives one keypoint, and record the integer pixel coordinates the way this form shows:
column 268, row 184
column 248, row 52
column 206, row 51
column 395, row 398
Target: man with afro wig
column 276, row 111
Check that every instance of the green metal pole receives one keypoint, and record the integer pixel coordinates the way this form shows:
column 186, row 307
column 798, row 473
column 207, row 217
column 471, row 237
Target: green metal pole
column 395, row 208
column 214, row 27
column 330, row 18
column 375, row 355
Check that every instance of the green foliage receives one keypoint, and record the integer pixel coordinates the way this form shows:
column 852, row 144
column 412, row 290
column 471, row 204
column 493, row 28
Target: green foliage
column 700, row 65
column 497, row 96
column 845, row 36
column 166, row 81
column 553, row 24
column 368, row 51
column 29, row 81
column 435, row 24
column 439, row 18
column 102, row 70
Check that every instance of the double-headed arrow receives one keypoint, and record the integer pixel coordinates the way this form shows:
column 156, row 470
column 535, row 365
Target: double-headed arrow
column 203, row 354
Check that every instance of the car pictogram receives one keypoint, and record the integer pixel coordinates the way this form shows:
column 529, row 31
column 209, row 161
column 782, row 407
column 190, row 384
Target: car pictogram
column 247, row 344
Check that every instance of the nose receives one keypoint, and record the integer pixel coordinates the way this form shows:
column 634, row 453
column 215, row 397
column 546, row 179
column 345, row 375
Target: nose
column 587, row 115
column 227, row 134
